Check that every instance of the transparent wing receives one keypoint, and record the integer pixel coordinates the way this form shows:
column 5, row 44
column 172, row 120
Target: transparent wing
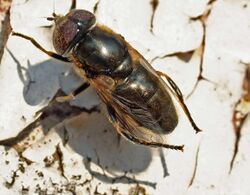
column 131, row 130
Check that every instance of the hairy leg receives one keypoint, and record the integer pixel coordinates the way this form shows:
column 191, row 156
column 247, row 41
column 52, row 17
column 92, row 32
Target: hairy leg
column 177, row 93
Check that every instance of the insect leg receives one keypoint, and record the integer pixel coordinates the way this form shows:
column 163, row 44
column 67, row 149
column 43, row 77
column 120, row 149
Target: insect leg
column 37, row 45
column 177, row 93
column 73, row 94
column 117, row 124
column 153, row 144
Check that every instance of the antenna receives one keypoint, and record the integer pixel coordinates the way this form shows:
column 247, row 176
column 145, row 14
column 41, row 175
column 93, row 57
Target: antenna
column 53, row 14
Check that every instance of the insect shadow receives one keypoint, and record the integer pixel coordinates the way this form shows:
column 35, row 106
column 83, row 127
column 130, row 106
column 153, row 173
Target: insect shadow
column 40, row 80
column 91, row 135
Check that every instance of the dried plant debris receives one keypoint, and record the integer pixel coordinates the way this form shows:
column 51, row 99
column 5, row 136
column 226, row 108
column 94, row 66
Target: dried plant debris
column 59, row 188
column 56, row 156
column 9, row 183
column 154, row 4
column 48, row 117
column 241, row 112
column 70, row 186
column 4, row 5
column 25, row 190
column 114, row 191
column 5, row 27
column 137, row 190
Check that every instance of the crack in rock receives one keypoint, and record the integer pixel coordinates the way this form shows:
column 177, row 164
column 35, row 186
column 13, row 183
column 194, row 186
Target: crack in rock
column 154, row 4
column 95, row 8
column 23, row 162
column 195, row 167
column 5, row 30
column 187, row 55
column 73, row 5
column 240, row 113
column 59, row 157
column 182, row 55
column 203, row 19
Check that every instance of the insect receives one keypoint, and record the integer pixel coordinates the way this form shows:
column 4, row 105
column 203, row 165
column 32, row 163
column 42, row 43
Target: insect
column 138, row 100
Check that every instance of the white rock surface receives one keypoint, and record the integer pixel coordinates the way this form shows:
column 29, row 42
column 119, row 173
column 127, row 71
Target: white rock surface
column 26, row 90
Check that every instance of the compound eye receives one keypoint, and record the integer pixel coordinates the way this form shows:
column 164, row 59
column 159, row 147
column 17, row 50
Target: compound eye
column 71, row 28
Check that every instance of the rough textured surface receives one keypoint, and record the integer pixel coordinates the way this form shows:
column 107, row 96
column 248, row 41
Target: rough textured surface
column 4, row 24
column 73, row 149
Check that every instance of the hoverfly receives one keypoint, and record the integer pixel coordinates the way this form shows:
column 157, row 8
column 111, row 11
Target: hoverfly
column 138, row 100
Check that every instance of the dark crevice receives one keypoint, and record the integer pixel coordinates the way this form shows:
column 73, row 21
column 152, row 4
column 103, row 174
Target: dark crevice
column 187, row 55
column 211, row 2
column 195, row 167
column 4, row 33
column 73, row 5
column 56, row 157
column 65, row 136
column 154, row 4
column 59, row 157
column 21, row 169
column 25, row 190
column 69, row 186
column 96, row 192
column 239, row 116
column 238, row 121
column 24, row 159
column 95, row 8
column 10, row 183
column 114, row 191
column 41, row 191
column 10, row 142
column 203, row 19
column 182, row 55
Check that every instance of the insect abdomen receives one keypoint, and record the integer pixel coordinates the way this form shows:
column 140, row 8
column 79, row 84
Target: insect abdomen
column 147, row 101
